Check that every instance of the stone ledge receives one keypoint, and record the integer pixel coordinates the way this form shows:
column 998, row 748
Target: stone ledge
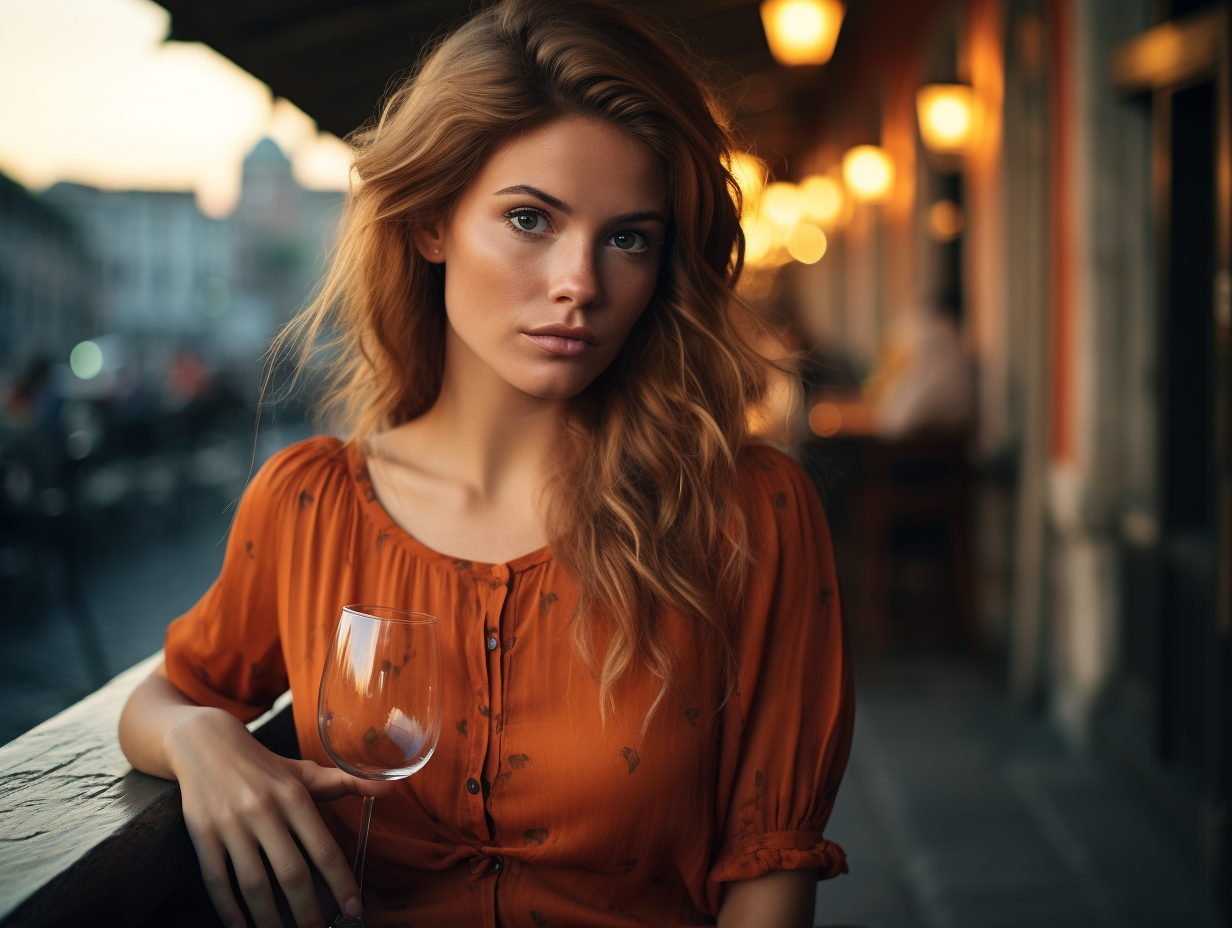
column 84, row 838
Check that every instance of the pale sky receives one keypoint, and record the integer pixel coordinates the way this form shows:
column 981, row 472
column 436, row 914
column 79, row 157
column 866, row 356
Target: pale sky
column 90, row 93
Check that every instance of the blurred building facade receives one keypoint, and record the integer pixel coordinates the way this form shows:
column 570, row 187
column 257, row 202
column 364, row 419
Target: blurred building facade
column 1089, row 279
column 133, row 333
column 48, row 284
column 171, row 277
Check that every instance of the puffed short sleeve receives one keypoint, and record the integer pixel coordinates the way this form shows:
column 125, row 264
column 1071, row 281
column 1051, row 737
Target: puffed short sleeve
column 787, row 729
column 226, row 651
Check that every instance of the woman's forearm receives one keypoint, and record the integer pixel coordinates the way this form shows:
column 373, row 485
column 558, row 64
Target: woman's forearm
column 153, row 711
column 779, row 899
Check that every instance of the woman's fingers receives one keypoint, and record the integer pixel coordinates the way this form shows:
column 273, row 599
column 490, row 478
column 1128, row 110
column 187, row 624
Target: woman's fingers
column 291, row 871
column 325, row 853
column 254, row 885
column 328, row 783
column 213, row 860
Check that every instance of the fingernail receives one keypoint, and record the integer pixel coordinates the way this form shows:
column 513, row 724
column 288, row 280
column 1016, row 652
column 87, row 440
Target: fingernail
column 353, row 906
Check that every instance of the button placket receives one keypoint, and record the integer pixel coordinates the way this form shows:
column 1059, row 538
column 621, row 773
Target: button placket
column 492, row 591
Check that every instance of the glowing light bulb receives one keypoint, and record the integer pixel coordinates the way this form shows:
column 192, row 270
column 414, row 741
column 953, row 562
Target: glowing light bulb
column 806, row 243
column 948, row 117
column 758, row 244
column 868, row 174
column 784, row 203
column 823, row 200
column 825, row 419
column 945, row 221
column 750, row 174
column 802, row 32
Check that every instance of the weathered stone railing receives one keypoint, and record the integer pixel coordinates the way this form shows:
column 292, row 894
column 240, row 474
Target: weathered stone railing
column 87, row 840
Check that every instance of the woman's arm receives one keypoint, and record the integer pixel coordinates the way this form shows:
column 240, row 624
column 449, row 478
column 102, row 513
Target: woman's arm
column 779, row 899
column 241, row 799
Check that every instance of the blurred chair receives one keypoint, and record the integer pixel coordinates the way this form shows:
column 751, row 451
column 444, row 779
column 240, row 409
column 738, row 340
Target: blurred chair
column 900, row 514
column 911, row 544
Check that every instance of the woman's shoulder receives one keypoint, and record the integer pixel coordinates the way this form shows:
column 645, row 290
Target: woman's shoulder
column 306, row 467
column 771, row 480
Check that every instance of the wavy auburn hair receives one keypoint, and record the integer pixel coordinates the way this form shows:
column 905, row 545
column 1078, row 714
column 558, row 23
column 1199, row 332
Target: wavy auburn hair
column 645, row 511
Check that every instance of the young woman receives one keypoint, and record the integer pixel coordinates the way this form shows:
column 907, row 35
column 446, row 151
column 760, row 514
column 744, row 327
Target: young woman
column 648, row 703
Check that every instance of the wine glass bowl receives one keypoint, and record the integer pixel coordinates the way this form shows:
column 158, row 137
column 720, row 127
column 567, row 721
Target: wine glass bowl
column 379, row 708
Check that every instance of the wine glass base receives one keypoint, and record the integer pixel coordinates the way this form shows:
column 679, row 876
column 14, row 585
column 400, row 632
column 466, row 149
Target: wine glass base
column 349, row 921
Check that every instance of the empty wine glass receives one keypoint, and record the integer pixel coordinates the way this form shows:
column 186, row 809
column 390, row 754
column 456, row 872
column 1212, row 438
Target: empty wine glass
column 379, row 710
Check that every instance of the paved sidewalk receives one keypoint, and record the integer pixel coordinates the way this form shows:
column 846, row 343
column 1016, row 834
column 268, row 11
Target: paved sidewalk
column 133, row 592
column 142, row 568
column 957, row 811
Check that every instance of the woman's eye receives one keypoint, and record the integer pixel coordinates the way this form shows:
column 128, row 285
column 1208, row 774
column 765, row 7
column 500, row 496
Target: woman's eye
column 629, row 241
column 530, row 221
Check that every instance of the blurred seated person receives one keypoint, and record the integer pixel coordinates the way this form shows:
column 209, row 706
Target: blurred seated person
column 924, row 382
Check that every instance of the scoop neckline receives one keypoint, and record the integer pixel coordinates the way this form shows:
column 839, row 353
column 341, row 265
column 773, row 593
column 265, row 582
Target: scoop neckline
column 386, row 525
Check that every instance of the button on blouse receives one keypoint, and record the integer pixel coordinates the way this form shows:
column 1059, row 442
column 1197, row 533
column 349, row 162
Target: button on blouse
column 566, row 818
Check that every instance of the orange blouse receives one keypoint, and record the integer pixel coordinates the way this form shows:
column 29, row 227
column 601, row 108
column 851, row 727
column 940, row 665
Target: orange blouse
column 533, row 811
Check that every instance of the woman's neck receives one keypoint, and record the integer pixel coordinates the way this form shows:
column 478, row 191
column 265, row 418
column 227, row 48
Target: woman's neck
column 481, row 432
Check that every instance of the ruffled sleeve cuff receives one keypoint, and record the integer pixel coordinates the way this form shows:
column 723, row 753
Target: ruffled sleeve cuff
column 751, row 856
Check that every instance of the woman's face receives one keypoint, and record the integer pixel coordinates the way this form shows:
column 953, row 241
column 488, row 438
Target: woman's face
column 551, row 254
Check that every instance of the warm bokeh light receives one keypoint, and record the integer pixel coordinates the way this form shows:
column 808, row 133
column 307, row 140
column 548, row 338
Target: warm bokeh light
column 784, row 203
column 825, row 419
column 945, row 221
column 750, row 174
column 806, row 243
column 948, row 116
column 762, row 240
column 802, row 32
column 868, row 173
column 759, row 243
column 773, row 218
column 823, row 200
column 92, row 94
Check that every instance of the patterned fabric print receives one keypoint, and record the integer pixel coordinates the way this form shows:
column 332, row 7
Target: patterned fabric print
column 594, row 822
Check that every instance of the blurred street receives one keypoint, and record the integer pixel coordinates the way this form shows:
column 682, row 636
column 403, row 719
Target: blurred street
column 957, row 812
column 139, row 575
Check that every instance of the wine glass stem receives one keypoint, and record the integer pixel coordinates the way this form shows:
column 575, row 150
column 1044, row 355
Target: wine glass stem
column 361, row 850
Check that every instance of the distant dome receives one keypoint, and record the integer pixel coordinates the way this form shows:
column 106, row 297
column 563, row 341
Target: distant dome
column 267, row 153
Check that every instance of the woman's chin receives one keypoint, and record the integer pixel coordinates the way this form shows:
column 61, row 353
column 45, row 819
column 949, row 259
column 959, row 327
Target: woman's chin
column 552, row 388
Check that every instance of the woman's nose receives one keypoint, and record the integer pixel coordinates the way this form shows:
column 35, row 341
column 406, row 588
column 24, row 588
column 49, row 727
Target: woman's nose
column 574, row 273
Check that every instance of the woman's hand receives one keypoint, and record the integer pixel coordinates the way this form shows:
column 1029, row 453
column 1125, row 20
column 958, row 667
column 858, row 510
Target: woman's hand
column 241, row 799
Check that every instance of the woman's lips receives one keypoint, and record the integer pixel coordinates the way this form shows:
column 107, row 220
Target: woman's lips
column 560, row 344
column 565, row 340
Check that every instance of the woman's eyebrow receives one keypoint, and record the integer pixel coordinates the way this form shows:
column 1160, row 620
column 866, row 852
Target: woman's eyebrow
column 557, row 203
column 646, row 216
column 528, row 190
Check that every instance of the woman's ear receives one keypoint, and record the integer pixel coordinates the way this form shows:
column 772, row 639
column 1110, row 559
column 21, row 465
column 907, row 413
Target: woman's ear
column 430, row 241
